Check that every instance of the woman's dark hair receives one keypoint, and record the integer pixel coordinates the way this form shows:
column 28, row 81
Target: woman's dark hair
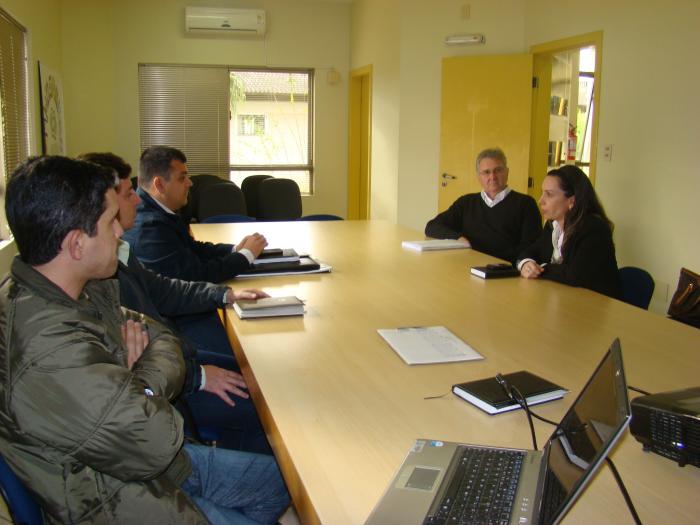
column 574, row 182
column 47, row 197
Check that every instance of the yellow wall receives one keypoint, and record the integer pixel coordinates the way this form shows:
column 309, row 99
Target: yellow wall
column 41, row 18
column 105, row 41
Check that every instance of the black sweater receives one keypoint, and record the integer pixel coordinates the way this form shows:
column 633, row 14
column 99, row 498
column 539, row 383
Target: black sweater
column 502, row 231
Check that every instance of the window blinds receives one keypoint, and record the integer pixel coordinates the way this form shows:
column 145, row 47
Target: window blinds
column 13, row 93
column 187, row 107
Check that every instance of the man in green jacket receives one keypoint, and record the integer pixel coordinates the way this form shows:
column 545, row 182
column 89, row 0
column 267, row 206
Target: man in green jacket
column 85, row 415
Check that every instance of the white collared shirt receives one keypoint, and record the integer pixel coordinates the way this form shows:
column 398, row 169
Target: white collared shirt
column 498, row 198
column 557, row 242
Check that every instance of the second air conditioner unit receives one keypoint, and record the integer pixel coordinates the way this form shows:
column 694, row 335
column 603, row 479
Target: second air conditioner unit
column 218, row 21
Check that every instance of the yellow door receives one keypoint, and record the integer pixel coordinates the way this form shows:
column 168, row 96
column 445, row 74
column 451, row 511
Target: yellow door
column 360, row 143
column 486, row 102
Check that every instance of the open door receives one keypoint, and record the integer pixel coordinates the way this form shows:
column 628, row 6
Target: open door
column 565, row 106
column 486, row 102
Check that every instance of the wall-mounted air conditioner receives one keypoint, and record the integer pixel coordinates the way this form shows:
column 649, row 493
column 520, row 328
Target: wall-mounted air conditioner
column 218, row 20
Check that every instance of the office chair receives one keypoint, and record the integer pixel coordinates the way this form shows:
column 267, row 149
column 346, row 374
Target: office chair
column 190, row 212
column 321, row 217
column 637, row 286
column 23, row 509
column 279, row 200
column 224, row 198
column 249, row 186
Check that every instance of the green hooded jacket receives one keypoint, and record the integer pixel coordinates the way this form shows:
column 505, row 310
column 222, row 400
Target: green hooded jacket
column 94, row 441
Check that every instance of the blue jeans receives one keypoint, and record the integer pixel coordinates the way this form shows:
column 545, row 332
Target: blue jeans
column 235, row 488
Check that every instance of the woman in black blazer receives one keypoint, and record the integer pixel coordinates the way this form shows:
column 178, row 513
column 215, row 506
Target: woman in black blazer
column 576, row 245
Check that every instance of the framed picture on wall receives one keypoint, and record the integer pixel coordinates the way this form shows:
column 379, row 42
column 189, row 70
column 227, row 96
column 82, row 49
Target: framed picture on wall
column 53, row 131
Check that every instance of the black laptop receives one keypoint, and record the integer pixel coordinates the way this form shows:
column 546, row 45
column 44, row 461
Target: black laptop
column 453, row 483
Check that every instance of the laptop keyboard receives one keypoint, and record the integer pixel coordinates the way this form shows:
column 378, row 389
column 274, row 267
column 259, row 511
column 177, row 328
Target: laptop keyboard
column 482, row 490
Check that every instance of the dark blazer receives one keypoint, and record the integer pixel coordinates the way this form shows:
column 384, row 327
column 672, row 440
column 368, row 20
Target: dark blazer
column 144, row 291
column 162, row 242
column 588, row 259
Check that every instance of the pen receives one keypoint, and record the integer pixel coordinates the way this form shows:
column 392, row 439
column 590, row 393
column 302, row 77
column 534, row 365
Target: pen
column 410, row 327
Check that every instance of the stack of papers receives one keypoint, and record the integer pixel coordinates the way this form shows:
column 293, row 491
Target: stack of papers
column 435, row 244
column 269, row 307
column 418, row 345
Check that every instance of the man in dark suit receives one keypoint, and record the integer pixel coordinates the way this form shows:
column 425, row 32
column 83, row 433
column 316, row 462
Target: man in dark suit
column 161, row 239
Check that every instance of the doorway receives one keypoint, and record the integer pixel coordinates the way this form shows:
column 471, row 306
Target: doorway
column 360, row 143
column 565, row 103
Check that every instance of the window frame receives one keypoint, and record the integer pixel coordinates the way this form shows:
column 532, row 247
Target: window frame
column 279, row 168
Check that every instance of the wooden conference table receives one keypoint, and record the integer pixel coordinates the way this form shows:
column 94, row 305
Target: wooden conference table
column 341, row 409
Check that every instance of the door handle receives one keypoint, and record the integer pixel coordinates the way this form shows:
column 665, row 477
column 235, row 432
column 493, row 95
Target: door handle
column 445, row 178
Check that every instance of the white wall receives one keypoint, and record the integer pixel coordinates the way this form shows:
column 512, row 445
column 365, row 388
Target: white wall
column 105, row 41
column 650, row 114
column 424, row 25
column 647, row 112
column 41, row 18
column 374, row 40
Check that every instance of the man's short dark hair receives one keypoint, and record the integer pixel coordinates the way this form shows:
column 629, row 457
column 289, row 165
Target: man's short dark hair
column 109, row 160
column 155, row 161
column 491, row 153
column 47, row 197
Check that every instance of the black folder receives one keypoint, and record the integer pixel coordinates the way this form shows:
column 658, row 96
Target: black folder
column 304, row 264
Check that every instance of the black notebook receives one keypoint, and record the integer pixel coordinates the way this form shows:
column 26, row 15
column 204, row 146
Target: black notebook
column 304, row 264
column 495, row 271
column 489, row 395
column 275, row 255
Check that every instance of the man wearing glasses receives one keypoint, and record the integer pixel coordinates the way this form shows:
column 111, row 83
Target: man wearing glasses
column 497, row 221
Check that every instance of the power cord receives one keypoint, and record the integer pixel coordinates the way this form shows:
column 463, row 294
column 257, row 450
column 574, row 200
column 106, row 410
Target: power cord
column 513, row 393
column 638, row 390
column 623, row 489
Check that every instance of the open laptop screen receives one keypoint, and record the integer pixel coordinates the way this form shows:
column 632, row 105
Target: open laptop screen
column 584, row 436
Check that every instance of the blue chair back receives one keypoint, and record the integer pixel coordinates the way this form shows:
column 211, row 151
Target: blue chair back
column 218, row 219
column 637, row 286
column 321, row 217
column 23, row 509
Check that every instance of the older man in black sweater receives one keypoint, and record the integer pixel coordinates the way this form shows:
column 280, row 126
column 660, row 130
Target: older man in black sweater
column 497, row 221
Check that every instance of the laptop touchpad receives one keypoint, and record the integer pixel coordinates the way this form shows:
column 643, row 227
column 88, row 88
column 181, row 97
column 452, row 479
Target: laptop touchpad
column 422, row 478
